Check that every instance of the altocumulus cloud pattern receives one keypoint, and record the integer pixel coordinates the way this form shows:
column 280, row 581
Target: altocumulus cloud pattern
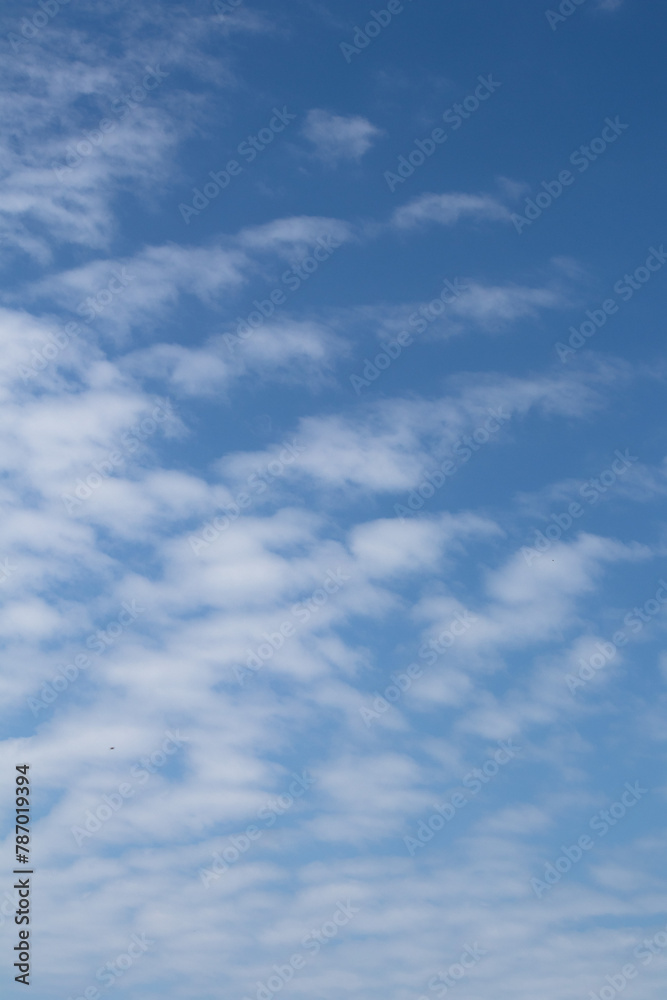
column 333, row 590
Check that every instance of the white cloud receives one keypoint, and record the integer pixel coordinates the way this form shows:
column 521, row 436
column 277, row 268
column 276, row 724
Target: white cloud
column 389, row 445
column 388, row 548
column 448, row 209
column 291, row 236
column 337, row 137
column 329, row 511
column 44, row 202
column 281, row 350
column 52, row 194
column 138, row 291
column 492, row 306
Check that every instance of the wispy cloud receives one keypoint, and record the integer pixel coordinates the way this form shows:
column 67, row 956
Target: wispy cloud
column 448, row 209
column 337, row 137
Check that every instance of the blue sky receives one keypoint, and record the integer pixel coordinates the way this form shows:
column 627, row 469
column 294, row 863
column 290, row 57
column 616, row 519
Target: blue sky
column 333, row 497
